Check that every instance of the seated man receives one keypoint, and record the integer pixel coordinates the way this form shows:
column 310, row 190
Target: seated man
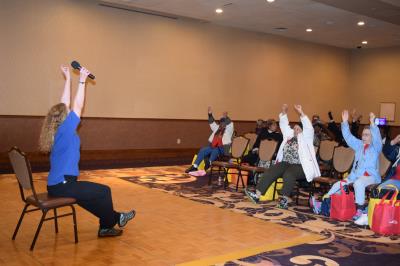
column 271, row 133
column 295, row 160
column 219, row 141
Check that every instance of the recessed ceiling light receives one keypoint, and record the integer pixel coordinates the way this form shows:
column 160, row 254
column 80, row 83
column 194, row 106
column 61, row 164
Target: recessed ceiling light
column 219, row 10
column 364, row 42
column 309, row 30
column 361, row 23
column 270, row 1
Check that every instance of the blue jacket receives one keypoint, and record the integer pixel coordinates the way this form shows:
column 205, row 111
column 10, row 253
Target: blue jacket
column 364, row 162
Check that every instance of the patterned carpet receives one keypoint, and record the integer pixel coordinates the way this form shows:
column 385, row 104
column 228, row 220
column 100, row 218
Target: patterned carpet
column 344, row 243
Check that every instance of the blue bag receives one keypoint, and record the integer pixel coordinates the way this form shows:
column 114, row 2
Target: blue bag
column 326, row 207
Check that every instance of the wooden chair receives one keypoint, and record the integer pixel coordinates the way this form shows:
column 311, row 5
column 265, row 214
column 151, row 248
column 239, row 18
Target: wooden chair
column 252, row 139
column 384, row 165
column 325, row 153
column 238, row 148
column 40, row 201
column 265, row 153
column 342, row 161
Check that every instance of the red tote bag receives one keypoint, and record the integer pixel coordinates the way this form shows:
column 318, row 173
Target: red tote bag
column 384, row 220
column 343, row 206
column 397, row 218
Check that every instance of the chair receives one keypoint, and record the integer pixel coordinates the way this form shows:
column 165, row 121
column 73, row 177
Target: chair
column 342, row 161
column 384, row 165
column 252, row 139
column 238, row 148
column 265, row 152
column 40, row 201
column 325, row 153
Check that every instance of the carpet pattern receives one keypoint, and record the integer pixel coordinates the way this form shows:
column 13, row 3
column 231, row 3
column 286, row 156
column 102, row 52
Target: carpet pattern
column 344, row 243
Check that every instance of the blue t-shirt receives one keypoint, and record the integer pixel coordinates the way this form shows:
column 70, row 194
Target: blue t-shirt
column 65, row 153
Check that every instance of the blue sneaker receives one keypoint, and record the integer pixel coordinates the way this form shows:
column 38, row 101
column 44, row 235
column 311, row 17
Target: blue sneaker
column 252, row 196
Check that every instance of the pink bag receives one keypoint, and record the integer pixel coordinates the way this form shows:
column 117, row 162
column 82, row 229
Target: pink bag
column 343, row 206
column 386, row 216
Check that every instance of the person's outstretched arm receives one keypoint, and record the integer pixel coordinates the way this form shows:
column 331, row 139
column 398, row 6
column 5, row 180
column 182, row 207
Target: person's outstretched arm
column 66, row 96
column 308, row 129
column 79, row 100
column 351, row 141
column 376, row 138
column 284, row 122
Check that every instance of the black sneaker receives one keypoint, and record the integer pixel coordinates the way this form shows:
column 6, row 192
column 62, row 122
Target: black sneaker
column 109, row 232
column 191, row 169
column 125, row 217
column 283, row 203
column 252, row 196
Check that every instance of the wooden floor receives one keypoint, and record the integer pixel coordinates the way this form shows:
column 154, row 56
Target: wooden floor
column 168, row 230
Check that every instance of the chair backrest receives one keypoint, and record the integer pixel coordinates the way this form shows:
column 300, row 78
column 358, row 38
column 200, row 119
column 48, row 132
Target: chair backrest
column 252, row 139
column 239, row 145
column 326, row 149
column 384, row 165
column 343, row 159
column 22, row 170
column 267, row 149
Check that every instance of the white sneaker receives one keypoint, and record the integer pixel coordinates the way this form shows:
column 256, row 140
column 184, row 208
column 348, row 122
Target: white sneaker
column 363, row 220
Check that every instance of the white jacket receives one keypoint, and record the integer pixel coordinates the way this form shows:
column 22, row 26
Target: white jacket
column 306, row 150
column 228, row 133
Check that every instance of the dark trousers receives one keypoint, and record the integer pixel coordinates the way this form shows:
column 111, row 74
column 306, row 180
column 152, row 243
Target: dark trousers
column 93, row 197
column 289, row 173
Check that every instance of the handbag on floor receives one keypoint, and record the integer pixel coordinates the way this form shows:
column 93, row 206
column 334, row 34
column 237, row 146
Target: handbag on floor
column 343, row 205
column 386, row 216
column 326, row 207
column 376, row 195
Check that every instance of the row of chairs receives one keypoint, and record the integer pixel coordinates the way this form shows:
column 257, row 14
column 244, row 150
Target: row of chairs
column 239, row 146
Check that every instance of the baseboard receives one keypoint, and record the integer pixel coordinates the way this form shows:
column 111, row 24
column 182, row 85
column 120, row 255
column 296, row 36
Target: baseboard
column 102, row 159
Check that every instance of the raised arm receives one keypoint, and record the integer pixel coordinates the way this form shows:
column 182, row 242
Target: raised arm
column 79, row 100
column 287, row 131
column 308, row 129
column 352, row 141
column 66, row 96
column 376, row 134
column 211, row 120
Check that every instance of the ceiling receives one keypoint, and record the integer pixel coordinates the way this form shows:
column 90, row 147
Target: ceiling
column 334, row 22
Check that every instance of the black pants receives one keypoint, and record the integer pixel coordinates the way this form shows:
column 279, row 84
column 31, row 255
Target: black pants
column 289, row 173
column 93, row 197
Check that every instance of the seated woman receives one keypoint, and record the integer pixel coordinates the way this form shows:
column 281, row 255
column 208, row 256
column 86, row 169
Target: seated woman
column 295, row 160
column 366, row 163
column 59, row 137
column 271, row 133
column 219, row 141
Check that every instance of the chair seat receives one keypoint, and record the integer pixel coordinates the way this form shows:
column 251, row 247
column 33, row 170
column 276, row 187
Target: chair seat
column 252, row 168
column 225, row 164
column 368, row 188
column 325, row 180
column 49, row 202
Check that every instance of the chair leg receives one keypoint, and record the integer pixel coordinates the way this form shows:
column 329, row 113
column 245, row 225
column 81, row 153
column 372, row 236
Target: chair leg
column 75, row 223
column 297, row 196
column 38, row 229
column 55, row 221
column 19, row 222
column 210, row 176
column 273, row 195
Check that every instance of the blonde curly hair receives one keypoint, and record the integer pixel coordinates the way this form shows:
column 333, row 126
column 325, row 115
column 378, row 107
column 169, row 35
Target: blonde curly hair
column 53, row 120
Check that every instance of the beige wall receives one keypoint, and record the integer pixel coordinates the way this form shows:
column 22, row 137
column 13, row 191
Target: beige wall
column 150, row 67
column 375, row 78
